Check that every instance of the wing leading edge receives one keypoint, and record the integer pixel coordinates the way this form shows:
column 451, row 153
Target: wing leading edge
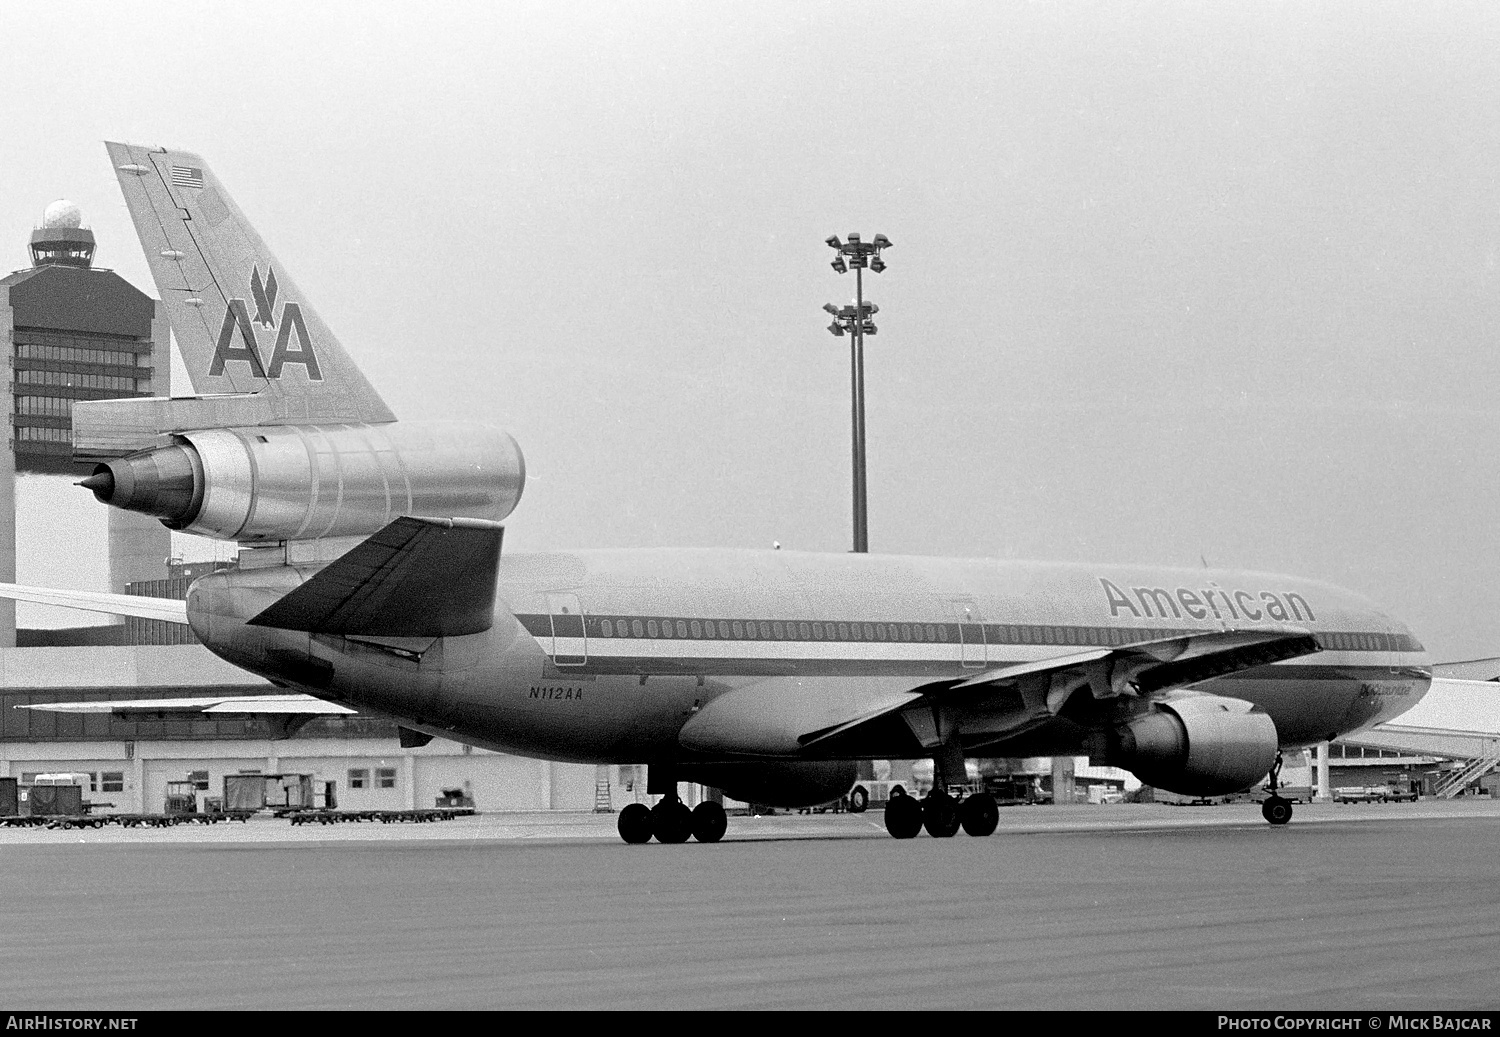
column 773, row 718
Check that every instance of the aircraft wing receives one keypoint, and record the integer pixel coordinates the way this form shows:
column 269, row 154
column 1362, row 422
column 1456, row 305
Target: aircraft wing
column 867, row 716
column 1158, row 665
column 169, row 609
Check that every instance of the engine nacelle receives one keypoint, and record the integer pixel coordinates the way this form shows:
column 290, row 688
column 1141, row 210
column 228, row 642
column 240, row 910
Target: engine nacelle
column 791, row 783
column 302, row 482
column 1197, row 745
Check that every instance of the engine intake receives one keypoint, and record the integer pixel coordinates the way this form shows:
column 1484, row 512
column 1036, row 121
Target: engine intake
column 1197, row 745
column 301, row 482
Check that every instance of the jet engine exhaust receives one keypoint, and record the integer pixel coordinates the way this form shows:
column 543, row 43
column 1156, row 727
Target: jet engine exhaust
column 166, row 482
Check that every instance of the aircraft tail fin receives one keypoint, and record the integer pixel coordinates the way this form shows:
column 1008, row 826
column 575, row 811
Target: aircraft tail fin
column 240, row 321
column 417, row 577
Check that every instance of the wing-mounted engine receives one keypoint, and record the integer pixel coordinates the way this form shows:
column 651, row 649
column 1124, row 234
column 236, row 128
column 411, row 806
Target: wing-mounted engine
column 1038, row 708
column 1195, row 744
column 303, row 482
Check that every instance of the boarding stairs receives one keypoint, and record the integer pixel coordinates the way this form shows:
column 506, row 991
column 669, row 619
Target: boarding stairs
column 603, row 799
column 1465, row 776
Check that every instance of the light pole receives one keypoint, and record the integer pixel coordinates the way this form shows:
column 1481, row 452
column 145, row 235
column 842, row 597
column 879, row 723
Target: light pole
column 855, row 320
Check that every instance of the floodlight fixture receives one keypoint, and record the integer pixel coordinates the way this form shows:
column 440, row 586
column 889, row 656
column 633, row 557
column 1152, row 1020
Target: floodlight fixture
column 854, row 321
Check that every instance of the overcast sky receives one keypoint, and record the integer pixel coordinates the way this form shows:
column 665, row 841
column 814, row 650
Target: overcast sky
column 1171, row 282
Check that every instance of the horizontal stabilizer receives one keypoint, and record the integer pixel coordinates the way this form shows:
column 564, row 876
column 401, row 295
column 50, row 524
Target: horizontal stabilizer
column 285, row 715
column 417, row 577
column 220, row 707
column 169, row 609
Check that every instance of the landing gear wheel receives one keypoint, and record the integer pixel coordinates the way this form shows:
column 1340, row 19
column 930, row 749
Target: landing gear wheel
column 709, row 822
column 671, row 821
column 635, row 823
column 979, row 814
column 903, row 817
column 1276, row 810
column 940, row 815
column 859, row 799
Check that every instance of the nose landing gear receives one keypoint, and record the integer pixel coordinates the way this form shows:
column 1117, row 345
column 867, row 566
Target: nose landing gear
column 1276, row 810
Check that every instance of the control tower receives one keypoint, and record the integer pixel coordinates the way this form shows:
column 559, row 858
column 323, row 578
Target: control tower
column 71, row 332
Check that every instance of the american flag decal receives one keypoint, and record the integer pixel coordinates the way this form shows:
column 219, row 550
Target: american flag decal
column 187, row 176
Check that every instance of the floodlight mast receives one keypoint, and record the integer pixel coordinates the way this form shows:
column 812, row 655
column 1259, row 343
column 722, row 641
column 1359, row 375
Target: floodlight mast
column 856, row 321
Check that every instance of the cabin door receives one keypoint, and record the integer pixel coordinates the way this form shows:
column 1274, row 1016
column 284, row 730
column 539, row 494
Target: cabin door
column 570, row 643
column 973, row 650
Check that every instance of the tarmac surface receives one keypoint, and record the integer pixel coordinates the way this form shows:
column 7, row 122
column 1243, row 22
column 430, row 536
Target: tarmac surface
column 1372, row 906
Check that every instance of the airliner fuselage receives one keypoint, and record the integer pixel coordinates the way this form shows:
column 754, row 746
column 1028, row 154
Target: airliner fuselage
column 617, row 656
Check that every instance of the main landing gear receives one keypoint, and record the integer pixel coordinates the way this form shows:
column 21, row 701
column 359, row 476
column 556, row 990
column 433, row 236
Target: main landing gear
column 941, row 813
column 1276, row 810
column 670, row 821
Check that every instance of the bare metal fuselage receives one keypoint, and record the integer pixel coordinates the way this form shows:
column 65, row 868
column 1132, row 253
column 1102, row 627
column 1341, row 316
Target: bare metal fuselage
column 625, row 656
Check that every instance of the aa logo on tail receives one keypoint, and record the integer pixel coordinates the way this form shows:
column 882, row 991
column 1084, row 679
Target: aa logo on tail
column 246, row 345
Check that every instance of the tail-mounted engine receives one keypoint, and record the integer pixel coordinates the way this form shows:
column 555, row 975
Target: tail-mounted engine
column 1196, row 745
column 301, row 482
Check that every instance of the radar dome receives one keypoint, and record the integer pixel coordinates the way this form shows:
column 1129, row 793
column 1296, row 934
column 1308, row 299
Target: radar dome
column 62, row 213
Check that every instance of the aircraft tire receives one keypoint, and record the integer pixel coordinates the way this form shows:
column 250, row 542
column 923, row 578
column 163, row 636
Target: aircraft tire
column 903, row 817
column 1276, row 810
column 635, row 824
column 979, row 814
column 859, row 800
column 671, row 821
column 940, row 815
column 709, row 822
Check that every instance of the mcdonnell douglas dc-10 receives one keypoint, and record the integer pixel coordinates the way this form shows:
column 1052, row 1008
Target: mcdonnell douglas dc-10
column 371, row 578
